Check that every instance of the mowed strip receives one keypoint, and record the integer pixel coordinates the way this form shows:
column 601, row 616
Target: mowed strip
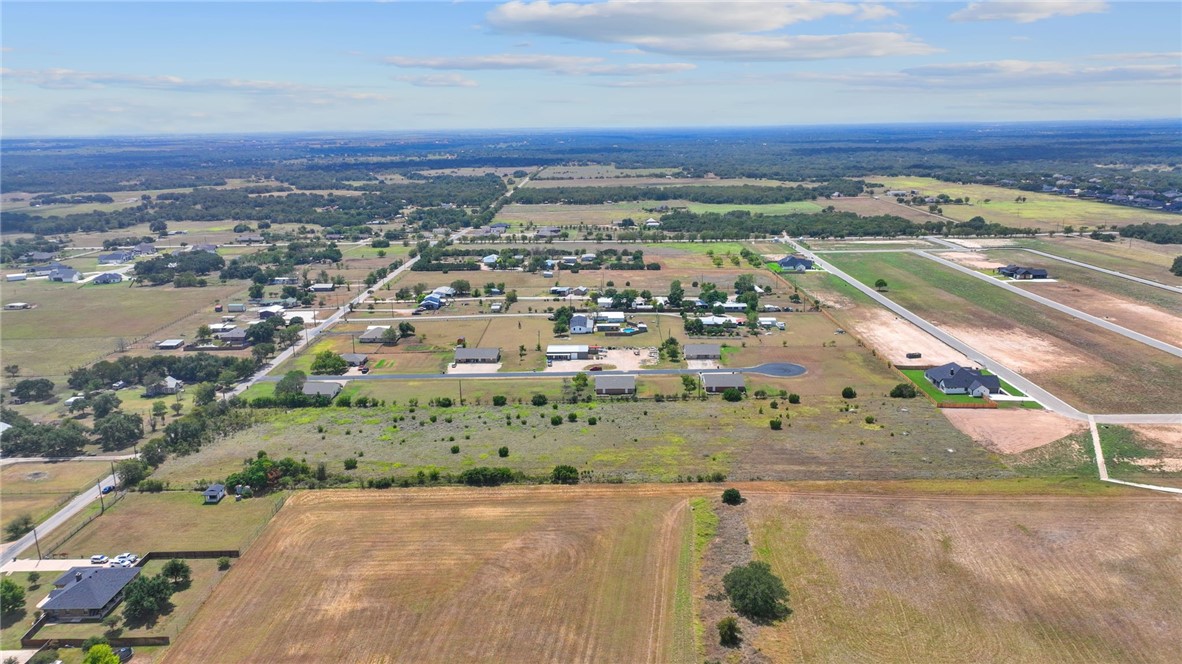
column 452, row 575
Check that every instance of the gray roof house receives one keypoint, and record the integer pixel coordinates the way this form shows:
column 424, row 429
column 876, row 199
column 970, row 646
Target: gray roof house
column 952, row 378
column 719, row 382
column 373, row 335
column 114, row 258
column 169, row 385
column 703, row 352
column 355, row 359
column 214, row 494
column 108, row 278
column 144, row 248
column 66, row 274
column 795, row 264
column 234, row 337
column 615, row 384
column 469, row 355
column 85, row 593
column 321, row 388
column 581, row 324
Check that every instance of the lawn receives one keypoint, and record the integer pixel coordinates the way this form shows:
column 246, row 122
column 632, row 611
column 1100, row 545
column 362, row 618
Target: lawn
column 38, row 489
column 917, row 377
column 14, row 625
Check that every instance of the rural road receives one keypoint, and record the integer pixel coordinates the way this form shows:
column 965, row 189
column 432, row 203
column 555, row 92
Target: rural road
column 114, row 457
column 777, row 369
column 1075, row 313
column 1114, row 273
column 75, row 506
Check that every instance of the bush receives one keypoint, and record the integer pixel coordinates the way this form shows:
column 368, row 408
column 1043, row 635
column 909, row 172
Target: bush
column 564, row 475
column 539, row 400
column 755, row 592
column 848, row 393
column 556, row 420
column 44, row 657
column 484, row 476
column 350, row 464
column 12, row 597
column 794, row 398
column 593, row 420
column 223, row 564
column 499, row 400
column 455, row 449
column 151, row 486
column 732, row 394
column 16, row 528
column 869, row 419
column 444, row 402
column 94, row 641
column 776, row 424
column 903, row 391
column 732, row 497
column 503, row 452
column 572, row 417
column 729, row 632
column 177, row 571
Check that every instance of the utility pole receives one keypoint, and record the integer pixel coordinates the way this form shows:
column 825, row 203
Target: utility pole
column 37, row 543
column 102, row 504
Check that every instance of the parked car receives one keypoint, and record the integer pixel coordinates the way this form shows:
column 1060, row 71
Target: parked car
column 124, row 654
column 596, row 368
column 121, row 563
column 99, row 559
column 127, row 556
column 108, row 489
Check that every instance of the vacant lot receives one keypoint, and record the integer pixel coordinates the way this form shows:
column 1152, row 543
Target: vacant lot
column 526, row 574
column 37, row 489
column 1140, row 259
column 1043, row 211
column 972, row 578
column 1083, row 364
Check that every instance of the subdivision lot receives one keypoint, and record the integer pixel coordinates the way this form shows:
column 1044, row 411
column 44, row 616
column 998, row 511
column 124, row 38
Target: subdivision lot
column 867, row 206
column 525, row 574
column 37, row 489
column 1091, row 368
column 1042, row 211
column 1135, row 257
column 972, row 578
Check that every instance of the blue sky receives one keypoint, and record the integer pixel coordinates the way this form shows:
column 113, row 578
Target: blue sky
column 101, row 68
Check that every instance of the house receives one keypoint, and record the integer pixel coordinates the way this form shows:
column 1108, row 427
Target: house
column 201, row 246
column 604, row 301
column 716, row 321
column 314, row 388
column 431, row 302
column 768, row 322
column 703, row 352
column 170, row 344
column 444, row 291
column 610, row 317
column 581, row 324
column 169, row 385
column 579, row 290
column 34, row 256
column 47, row 269
column 952, row 378
column 652, row 223
column 734, row 307
column 15, row 306
column 108, row 278
column 235, row 338
column 67, row 275
column 87, row 593
column 500, row 224
column 570, row 260
column 614, row 384
column 720, row 382
column 491, row 259
column 322, row 288
column 373, row 334
column 144, row 249
column 214, row 494
column 284, row 281
column 547, row 232
column 1018, row 272
column 269, row 311
column 116, row 258
column 587, row 258
column 560, row 291
column 496, row 307
column 794, row 264
column 567, row 352
column 355, row 359
column 547, row 274
column 16, row 277
column 249, row 239
column 478, row 355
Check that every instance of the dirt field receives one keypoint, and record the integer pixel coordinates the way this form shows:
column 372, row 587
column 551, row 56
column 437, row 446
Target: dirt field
column 1012, row 431
column 525, row 574
column 895, row 337
column 1162, row 433
column 972, row 579
column 972, row 259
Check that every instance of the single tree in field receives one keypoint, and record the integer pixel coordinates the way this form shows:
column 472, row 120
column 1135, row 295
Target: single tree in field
column 177, row 571
column 204, row 334
column 13, row 370
column 732, row 497
column 880, row 285
column 756, row 592
column 177, row 408
column 728, row 632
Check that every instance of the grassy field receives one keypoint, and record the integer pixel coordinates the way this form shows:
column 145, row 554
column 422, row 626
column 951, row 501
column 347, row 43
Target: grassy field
column 1134, row 457
column 166, row 521
column 573, row 174
column 1140, row 259
column 456, row 575
column 37, row 489
column 971, row 578
column 1083, row 364
column 1042, row 211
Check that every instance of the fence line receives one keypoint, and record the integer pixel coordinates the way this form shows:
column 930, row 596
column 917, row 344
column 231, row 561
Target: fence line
column 57, row 545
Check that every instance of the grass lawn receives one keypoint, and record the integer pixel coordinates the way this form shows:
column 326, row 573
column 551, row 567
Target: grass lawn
column 13, row 625
column 917, row 377
column 1141, row 259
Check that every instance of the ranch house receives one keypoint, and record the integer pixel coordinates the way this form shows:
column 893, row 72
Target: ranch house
column 606, row 385
column 720, row 382
column 85, row 593
column 478, row 355
column 952, row 378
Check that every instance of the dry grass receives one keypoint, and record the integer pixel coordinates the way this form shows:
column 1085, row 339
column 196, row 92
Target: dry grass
column 956, row 579
column 37, row 488
column 538, row 574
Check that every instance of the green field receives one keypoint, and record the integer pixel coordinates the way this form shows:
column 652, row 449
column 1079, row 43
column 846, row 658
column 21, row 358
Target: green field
column 1140, row 260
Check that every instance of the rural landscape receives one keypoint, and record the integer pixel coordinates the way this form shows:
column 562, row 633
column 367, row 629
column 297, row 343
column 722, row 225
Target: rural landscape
column 770, row 392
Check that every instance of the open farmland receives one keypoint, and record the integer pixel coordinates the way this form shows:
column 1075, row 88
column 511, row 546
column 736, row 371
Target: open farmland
column 914, row 578
column 1048, row 212
column 531, row 574
column 1091, row 368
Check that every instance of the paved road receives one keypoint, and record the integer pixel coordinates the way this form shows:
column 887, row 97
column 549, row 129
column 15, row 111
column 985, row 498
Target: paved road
column 777, row 369
column 75, row 506
column 1017, row 380
column 115, row 457
column 1076, row 313
column 1114, row 273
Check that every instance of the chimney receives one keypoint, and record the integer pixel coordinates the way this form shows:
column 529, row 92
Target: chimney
column 77, row 576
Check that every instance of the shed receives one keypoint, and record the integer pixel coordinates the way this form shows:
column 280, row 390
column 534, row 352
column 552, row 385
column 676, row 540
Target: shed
column 214, row 494
column 16, row 277
column 322, row 288
column 567, row 352
column 170, row 344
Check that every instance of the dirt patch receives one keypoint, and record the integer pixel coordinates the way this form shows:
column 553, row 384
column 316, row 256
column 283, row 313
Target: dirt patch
column 620, row 359
column 981, row 244
column 1164, row 464
column 1020, row 350
column 972, row 260
column 1166, row 434
column 701, row 364
column 1142, row 318
column 473, row 368
column 730, row 547
column 1012, row 431
column 39, row 476
column 894, row 337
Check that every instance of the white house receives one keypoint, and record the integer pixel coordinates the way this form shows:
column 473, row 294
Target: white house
column 581, row 324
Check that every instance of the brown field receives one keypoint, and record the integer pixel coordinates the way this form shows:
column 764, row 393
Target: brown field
column 549, row 183
column 37, row 489
column 524, row 574
column 868, row 207
column 1164, row 434
column 1012, row 431
column 573, row 215
column 958, row 579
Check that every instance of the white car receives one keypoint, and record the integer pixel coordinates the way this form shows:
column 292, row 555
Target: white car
column 121, row 563
column 99, row 559
column 129, row 557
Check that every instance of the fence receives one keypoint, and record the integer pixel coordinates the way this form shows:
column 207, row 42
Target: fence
column 987, row 403
column 111, row 501
column 192, row 555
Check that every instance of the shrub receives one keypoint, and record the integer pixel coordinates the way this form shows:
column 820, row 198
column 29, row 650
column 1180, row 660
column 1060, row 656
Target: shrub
column 223, row 564
column 869, row 419
column 592, row 420
column 848, row 393
column 732, row 394
column 44, row 657
column 794, row 398
column 444, row 402
column 19, row 526
column 732, row 497
column 539, row 400
column 556, row 420
column 729, row 632
column 572, row 417
column 484, row 476
column 903, row 391
column 503, row 452
column 350, row 464
column 776, row 424
column 564, row 475
column 455, row 449
column 151, row 486
column 755, row 592
column 12, row 597
column 499, row 400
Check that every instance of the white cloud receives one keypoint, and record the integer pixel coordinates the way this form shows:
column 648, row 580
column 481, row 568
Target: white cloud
column 561, row 64
column 1027, row 11
column 732, row 30
column 1005, row 74
column 438, row 81
column 1168, row 56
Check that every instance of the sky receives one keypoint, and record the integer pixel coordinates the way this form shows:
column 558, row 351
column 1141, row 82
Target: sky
column 130, row 68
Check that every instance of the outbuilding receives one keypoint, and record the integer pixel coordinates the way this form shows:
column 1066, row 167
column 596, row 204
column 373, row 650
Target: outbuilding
column 703, row 352
column 615, row 384
column 567, row 352
column 720, row 382
column 214, row 494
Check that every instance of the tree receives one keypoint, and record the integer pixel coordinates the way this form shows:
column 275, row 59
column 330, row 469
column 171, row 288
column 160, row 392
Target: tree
column 539, row 400
column 118, row 430
column 19, row 526
column 291, row 384
column 391, row 336
column 564, row 475
column 260, row 352
column 903, row 391
column 176, row 408
column 146, row 597
column 34, row 579
column 689, row 383
column 676, row 294
column 1176, row 268
column 159, row 409
column 880, row 285
column 503, row 452
column 848, row 393
column 728, row 632
column 204, row 334
column 104, row 404
column 12, row 597
column 33, row 389
column 755, row 592
column 330, row 363
column 13, row 370
column 101, row 654
column 732, row 394
column 131, row 472
column 732, row 497
column 406, row 329
column 794, row 398
column 206, row 393
column 227, row 379
column 462, row 286
column 177, row 571
column 580, row 381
